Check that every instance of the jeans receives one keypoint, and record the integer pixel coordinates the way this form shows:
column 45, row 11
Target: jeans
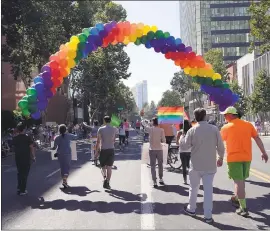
column 122, row 139
column 154, row 156
column 207, row 179
column 22, row 175
column 185, row 159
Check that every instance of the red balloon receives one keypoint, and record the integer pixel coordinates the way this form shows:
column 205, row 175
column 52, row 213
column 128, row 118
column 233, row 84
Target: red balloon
column 184, row 63
column 181, row 55
column 168, row 55
column 191, row 55
column 53, row 64
column 55, row 73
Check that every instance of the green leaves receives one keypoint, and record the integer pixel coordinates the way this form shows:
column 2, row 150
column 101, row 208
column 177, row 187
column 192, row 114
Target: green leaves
column 170, row 99
column 260, row 24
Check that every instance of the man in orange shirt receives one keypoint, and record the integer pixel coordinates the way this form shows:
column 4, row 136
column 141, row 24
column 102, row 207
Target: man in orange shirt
column 237, row 136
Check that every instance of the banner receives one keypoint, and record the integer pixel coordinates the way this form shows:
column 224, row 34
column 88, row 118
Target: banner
column 170, row 115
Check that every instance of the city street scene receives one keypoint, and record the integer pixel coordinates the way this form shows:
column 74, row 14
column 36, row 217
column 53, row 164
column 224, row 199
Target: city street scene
column 137, row 115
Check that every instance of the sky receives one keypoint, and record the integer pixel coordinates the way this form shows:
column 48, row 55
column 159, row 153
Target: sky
column 146, row 64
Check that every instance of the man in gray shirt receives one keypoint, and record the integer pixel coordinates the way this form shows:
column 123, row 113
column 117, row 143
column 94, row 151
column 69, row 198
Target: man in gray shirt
column 205, row 141
column 105, row 139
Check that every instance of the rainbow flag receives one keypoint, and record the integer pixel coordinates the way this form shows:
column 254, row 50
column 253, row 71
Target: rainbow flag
column 170, row 115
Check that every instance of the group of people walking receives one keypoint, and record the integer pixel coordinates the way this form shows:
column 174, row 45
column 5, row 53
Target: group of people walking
column 201, row 149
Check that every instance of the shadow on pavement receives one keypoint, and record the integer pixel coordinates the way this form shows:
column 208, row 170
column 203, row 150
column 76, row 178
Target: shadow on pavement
column 219, row 191
column 220, row 225
column 126, row 196
column 78, row 190
column 262, row 184
column 176, row 189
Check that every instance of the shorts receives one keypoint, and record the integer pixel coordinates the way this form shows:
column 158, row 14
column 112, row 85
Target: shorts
column 106, row 157
column 238, row 170
column 127, row 134
column 169, row 140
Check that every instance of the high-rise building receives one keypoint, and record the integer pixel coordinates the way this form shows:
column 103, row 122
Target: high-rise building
column 140, row 93
column 218, row 24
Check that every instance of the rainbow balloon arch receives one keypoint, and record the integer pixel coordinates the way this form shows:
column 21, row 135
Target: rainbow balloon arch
column 80, row 46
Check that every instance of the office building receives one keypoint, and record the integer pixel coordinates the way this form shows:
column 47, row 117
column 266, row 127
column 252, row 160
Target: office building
column 140, row 94
column 218, row 24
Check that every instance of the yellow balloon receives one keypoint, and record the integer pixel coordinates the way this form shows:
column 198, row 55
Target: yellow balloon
column 72, row 54
column 71, row 63
column 210, row 73
column 139, row 33
column 216, row 76
column 187, row 70
column 74, row 39
column 126, row 41
column 140, row 26
column 146, row 29
column 193, row 72
column 72, row 45
column 154, row 28
column 201, row 72
column 132, row 38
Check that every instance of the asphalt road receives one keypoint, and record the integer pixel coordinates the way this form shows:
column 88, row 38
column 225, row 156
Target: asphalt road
column 132, row 203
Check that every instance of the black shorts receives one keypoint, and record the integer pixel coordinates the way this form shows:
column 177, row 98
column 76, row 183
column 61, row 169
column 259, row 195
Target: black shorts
column 127, row 134
column 169, row 140
column 106, row 157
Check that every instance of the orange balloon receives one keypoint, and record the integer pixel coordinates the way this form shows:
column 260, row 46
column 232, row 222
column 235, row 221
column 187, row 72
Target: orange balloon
column 208, row 66
column 133, row 28
column 184, row 63
column 63, row 73
column 114, row 42
column 63, row 63
column 177, row 62
column 54, row 57
column 140, row 26
column 120, row 38
column 63, row 53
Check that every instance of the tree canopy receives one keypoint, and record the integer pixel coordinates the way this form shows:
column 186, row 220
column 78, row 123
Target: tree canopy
column 170, row 98
column 260, row 23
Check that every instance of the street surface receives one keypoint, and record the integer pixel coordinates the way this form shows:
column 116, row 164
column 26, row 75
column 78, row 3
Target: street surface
column 132, row 203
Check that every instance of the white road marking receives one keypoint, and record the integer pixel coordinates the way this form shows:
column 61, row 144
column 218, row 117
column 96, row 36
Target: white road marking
column 147, row 215
column 12, row 169
column 51, row 174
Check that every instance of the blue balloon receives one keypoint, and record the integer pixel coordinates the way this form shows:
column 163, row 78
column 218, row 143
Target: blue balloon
column 39, row 86
column 100, row 26
column 42, row 105
column 38, row 79
column 103, row 34
column 148, row 45
column 94, row 31
column 42, row 96
column 36, row 115
column 170, row 40
column 178, row 41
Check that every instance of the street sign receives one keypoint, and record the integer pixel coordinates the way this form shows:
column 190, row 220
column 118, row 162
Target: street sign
column 120, row 109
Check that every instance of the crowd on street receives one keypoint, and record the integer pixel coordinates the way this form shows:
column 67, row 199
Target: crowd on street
column 201, row 150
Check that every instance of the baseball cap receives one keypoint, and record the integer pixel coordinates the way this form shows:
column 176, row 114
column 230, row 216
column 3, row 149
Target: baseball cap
column 230, row 110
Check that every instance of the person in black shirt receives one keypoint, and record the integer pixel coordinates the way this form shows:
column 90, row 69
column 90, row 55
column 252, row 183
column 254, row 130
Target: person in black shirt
column 24, row 156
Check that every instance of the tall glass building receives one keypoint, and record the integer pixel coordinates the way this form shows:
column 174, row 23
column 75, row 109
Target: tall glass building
column 216, row 24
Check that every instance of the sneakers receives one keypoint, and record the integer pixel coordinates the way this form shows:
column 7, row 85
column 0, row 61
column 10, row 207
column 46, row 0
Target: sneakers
column 106, row 184
column 242, row 212
column 65, row 184
column 155, row 185
column 209, row 220
column 235, row 202
column 192, row 214
column 161, row 182
column 23, row 193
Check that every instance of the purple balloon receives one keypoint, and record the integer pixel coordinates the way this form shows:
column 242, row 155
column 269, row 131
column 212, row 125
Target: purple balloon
column 48, row 84
column 157, row 49
column 103, row 33
column 46, row 68
column 188, row 49
column 42, row 96
column 113, row 23
column 36, row 115
column 107, row 27
column 46, row 75
column 42, row 105
column 181, row 47
column 48, row 94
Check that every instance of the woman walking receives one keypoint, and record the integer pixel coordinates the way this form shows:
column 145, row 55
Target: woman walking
column 62, row 143
column 184, row 153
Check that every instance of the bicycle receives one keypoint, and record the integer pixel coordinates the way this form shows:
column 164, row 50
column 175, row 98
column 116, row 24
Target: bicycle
column 174, row 157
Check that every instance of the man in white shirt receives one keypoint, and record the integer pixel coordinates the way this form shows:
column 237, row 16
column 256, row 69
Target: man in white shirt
column 156, row 138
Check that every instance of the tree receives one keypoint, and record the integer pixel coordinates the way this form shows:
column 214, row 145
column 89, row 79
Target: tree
column 215, row 57
column 170, row 98
column 243, row 104
column 35, row 29
column 182, row 83
column 260, row 24
column 149, row 110
column 260, row 98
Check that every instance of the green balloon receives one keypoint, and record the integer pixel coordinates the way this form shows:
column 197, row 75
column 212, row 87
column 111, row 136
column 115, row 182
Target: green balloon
column 77, row 60
column 25, row 97
column 194, row 79
column 143, row 39
column 32, row 108
column 81, row 46
column 82, row 37
column 86, row 31
column 225, row 85
column 150, row 35
column 25, row 113
column 208, row 81
column 79, row 55
column 137, row 42
column 159, row 34
column 31, row 91
column 217, row 82
column 32, row 98
column 23, row 104
column 167, row 35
